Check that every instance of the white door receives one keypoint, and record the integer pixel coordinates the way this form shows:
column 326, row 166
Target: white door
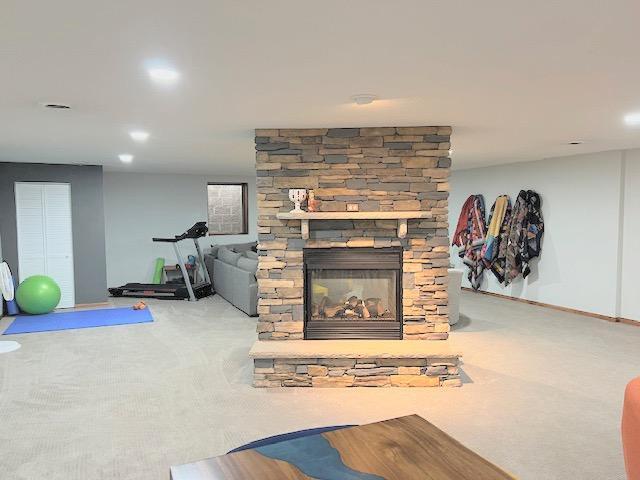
column 45, row 242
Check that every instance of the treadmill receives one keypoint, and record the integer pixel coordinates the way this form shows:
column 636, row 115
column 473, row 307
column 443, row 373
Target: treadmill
column 189, row 291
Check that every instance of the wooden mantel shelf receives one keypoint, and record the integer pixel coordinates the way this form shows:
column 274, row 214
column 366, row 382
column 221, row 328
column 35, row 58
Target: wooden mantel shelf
column 401, row 217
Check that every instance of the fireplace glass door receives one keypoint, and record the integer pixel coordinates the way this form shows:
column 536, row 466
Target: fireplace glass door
column 353, row 293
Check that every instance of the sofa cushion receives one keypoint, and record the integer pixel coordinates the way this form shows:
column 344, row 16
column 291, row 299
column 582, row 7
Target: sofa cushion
column 248, row 264
column 250, row 254
column 227, row 256
column 243, row 247
column 235, row 247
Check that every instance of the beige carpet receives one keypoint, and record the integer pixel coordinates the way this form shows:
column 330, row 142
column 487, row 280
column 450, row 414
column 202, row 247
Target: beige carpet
column 542, row 396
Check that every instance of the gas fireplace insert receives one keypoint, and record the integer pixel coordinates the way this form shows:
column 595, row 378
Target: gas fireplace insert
column 353, row 293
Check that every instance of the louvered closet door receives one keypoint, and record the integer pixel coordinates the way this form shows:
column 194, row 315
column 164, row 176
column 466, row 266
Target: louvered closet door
column 30, row 224
column 58, row 239
column 45, row 245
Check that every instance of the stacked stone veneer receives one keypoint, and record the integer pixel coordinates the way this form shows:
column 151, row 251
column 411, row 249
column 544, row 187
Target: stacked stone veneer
column 360, row 372
column 371, row 169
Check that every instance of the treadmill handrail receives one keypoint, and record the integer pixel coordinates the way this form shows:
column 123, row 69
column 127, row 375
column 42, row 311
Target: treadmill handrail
column 198, row 230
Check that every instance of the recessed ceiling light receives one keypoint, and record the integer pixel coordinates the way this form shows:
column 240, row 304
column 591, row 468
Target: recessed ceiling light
column 632, row 119
column 56, row 106
column 125, row 157
column 139, row 135
column 364, row 98
column 164, row 75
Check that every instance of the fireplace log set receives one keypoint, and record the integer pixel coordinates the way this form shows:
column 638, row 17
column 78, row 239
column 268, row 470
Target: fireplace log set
column 354, row 308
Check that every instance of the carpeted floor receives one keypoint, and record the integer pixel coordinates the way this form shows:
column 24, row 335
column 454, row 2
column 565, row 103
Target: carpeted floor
column 542, row 396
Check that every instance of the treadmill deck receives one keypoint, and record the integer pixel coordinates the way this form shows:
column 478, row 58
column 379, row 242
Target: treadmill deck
column 163, row 291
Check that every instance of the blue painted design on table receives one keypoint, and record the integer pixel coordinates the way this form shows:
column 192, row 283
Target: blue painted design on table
column 315, row 457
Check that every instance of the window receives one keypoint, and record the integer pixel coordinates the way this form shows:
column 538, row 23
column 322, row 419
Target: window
column 227, row 207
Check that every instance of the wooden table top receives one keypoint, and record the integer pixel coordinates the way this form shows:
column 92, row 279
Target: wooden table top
column 405, row 448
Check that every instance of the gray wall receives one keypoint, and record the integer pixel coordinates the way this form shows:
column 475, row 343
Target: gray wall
column 577, row 268
column 87, row 217
column 139, row 206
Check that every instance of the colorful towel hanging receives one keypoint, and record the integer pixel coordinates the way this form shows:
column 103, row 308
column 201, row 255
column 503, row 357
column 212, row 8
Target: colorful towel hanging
column 499, row 260
column 525, row 235
column 496, row 219
column 469, row 236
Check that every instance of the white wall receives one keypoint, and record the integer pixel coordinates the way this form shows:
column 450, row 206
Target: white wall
column 581, row 201
column 139, row 206
column 630, row 261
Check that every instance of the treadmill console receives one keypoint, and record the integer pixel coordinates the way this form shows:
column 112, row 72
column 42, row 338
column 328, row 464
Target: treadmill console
column 198, row 230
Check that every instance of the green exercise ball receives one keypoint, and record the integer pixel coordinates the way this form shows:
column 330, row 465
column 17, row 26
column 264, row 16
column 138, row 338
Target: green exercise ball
column 38, row 294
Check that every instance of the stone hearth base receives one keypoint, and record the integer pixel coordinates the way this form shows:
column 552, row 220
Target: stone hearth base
column 354, row 363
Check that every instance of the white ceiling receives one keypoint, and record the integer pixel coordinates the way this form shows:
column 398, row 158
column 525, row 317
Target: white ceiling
column 517, row 80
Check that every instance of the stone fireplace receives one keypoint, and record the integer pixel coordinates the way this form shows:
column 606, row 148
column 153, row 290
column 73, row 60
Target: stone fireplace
column 350, row 294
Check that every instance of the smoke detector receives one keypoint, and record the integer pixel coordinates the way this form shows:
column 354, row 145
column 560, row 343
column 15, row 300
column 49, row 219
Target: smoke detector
column 364, row 98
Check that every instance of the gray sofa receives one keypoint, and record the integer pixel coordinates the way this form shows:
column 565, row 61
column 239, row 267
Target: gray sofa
column 232, row 269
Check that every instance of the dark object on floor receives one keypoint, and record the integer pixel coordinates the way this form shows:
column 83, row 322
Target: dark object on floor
column 405, row 447
column 103, row 317
column 187, row 290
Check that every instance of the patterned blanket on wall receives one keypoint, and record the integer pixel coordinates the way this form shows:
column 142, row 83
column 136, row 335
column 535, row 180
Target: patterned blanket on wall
column 525, row 235
column 512, row 239
column 470, row 235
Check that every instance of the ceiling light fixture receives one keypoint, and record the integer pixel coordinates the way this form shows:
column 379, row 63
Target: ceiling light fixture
column 164, row 75
column 576, row 142
column 125, row 157
column 139, row 135
column 632, row 119
column 364, row 98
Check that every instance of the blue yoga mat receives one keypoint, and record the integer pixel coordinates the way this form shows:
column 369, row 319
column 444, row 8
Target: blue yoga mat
column 78, row 319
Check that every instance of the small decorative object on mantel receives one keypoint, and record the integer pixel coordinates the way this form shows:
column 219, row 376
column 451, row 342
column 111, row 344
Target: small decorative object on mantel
column 297, row 196
column 312, row 204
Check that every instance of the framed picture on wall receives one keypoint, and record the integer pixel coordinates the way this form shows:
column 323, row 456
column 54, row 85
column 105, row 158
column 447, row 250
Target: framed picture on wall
column 227, row 208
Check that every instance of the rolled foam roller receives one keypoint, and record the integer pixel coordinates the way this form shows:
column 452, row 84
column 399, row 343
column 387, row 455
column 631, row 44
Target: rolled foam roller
column 157, row 272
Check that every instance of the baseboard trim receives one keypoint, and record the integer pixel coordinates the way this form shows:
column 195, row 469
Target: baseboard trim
column 628, row 321
column 557, row 307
